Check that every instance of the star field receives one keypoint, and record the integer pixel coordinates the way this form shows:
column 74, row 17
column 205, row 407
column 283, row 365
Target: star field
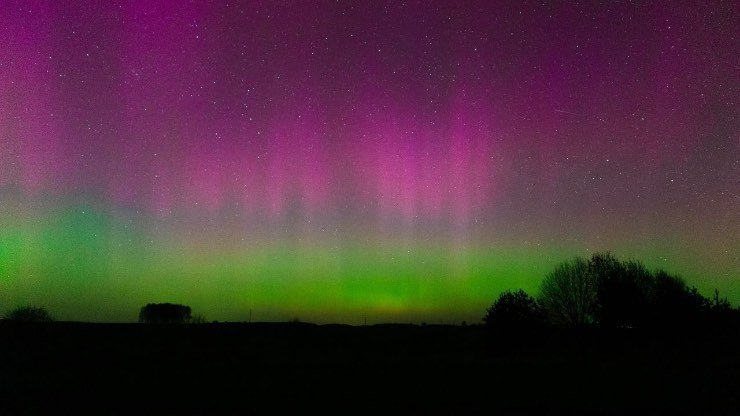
column 340, row 160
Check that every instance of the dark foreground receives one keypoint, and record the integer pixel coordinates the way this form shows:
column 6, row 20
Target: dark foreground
column 68, row 368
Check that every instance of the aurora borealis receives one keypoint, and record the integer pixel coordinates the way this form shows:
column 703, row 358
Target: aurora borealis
column 336, row 161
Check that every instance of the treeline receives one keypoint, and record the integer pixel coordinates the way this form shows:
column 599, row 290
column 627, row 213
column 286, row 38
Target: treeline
column 606, row 292
column 29, row 314
column 601, row 291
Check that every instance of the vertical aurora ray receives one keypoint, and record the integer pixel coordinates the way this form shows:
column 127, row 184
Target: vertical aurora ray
column 341, row 161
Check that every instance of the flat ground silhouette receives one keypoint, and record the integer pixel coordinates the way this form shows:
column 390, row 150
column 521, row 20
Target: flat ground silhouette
column 137, row 368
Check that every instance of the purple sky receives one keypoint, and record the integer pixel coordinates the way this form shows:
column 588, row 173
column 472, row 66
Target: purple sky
column 563, row 121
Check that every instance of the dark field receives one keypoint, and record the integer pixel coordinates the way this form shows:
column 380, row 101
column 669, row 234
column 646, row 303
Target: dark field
column 399, row 369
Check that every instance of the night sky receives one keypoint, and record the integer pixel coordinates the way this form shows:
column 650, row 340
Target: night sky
column 336, row 161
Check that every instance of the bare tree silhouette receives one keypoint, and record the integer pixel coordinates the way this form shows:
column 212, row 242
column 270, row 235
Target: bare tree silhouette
column 568, row 293
column 198, row 319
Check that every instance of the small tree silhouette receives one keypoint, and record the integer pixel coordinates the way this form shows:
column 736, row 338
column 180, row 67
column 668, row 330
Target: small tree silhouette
column 29, row 314
column 721, row 314
column 514, row 310
column 198, row 319
column 568, row 293
column 719, row 305
column 164, row 313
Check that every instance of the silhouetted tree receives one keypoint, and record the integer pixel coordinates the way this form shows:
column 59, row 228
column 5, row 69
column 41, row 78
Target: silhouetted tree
column 718, row 304
column 29, row 314
column 619, row 294
column 721, row 313
column 514, row 310
column 198, row 319
column 568, row 293
column 673, row 303
column 623, row 291
column 164, row 313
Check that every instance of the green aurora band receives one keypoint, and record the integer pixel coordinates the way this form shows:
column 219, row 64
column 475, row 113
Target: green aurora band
column 397, row 161
column 85, row 264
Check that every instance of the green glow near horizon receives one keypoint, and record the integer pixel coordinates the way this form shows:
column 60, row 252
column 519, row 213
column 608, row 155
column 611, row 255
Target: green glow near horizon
column 83, row 265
